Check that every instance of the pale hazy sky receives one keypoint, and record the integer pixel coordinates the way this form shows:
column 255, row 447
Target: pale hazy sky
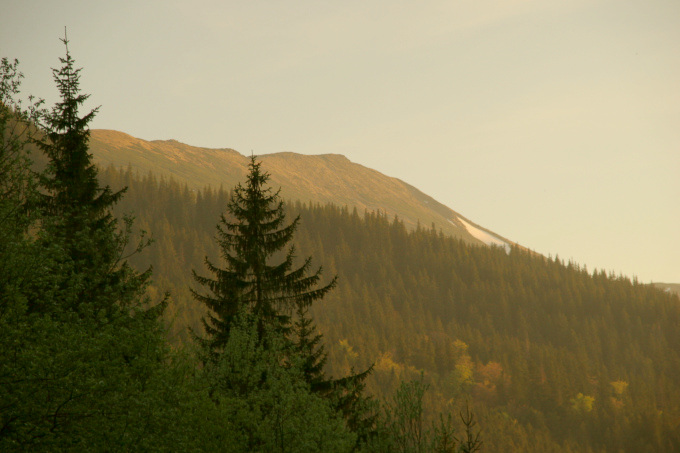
column 554, row 123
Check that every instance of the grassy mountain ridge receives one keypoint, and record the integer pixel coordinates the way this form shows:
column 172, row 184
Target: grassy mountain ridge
column 326, row 178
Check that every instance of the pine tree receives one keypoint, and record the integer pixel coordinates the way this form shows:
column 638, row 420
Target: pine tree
column 252, row 281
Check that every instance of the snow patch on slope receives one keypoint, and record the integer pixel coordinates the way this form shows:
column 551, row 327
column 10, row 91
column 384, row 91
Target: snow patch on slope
column 487, row 238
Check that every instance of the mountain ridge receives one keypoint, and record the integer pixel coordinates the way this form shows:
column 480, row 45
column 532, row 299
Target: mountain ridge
column 324, row 178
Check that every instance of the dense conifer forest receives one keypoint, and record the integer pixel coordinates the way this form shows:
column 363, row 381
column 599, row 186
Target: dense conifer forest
column 85, row 361
column 423, row 343
column 551, row 356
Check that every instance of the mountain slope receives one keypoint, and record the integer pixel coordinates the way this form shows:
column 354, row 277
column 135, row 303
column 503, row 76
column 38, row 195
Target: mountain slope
column 673, row 288
column 550, row 356
column 327, row 178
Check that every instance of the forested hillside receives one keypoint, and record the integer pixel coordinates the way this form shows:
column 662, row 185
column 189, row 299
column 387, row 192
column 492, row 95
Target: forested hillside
column 85, row 361
column 551, row 356
column 547, row 355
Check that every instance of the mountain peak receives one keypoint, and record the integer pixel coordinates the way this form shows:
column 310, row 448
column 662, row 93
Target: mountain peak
column 323, row 178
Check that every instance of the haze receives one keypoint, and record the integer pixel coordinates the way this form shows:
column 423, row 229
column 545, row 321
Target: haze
column 553, row 123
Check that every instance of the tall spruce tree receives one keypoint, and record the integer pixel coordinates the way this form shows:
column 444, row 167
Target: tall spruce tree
column 252, row 282
column 83, row 364
column 256, row 284
column 77, row 223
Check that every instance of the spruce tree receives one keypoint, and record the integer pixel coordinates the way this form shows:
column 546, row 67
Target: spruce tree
column 267, row 290
column 77, row 224
column 346, row 393
column 73, row 192
column 83, row 364
column 308, row 345
column 250, row 240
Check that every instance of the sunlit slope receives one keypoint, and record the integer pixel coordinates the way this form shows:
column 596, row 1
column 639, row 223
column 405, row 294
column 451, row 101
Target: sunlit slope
column 327, row 178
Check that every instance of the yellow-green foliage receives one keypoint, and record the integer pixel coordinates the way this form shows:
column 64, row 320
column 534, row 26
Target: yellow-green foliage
column 619, row 387
column 582, row 403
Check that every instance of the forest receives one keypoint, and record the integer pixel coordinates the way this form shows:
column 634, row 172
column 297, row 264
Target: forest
column 86, row 360
column 551, row 356
column 130, row 320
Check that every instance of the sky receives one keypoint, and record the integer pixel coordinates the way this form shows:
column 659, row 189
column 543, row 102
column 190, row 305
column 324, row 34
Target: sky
column 554, row 123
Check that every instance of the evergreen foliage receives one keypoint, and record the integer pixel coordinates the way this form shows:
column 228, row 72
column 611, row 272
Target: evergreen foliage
column 252, row 281
column 77, row 226
column 551, row 356
column 348, row 393
column 17, row 184
column 73, row 192
column 83, row 364
column 279, row 413
column 516, row 334
column 255, row 283
column 309, row 347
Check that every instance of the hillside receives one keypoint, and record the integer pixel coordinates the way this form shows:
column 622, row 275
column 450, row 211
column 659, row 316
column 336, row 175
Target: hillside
column 327, row 178
column 551, row 357
column 673, row 288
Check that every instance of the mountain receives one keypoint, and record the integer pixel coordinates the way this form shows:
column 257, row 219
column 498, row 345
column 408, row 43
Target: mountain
column 326, row 178
column 549, row 356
